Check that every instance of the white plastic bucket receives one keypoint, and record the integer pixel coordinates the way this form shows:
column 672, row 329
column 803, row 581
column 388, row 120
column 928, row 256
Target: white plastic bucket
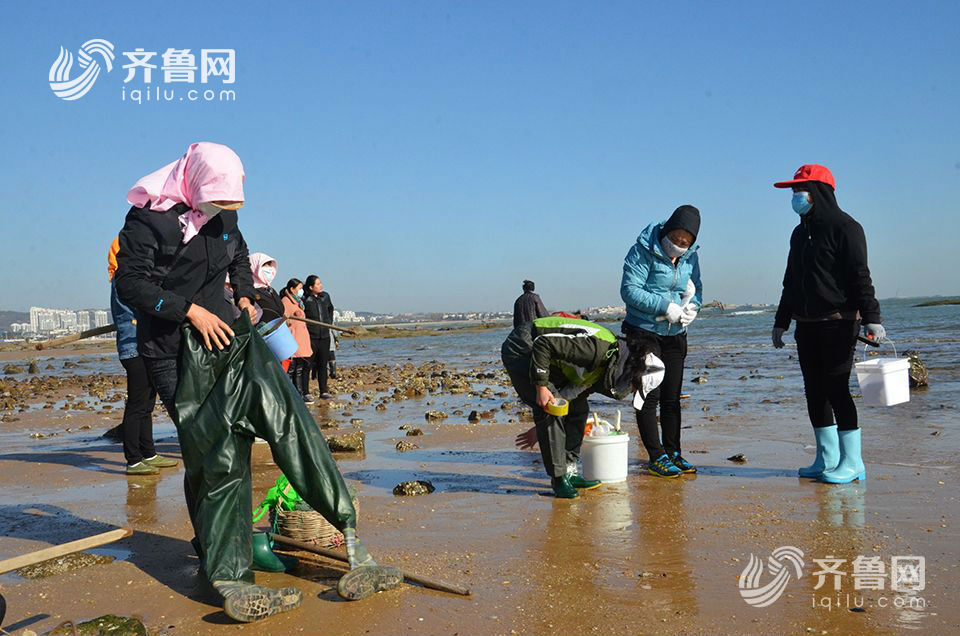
column 884, row 381
column 605, row 458
column 280, row 341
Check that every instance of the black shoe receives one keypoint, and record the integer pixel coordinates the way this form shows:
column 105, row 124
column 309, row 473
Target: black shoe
column 684, row 466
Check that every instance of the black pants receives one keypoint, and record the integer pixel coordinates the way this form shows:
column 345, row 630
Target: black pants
column 164, row 375
column 137, row 423
column 673, row 351
column 825, row 350
column 560, row 437
column 321, row 355
column 299, row 373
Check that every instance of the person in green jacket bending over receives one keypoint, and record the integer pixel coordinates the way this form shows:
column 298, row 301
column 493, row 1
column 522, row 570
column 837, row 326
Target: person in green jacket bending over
column 557, row 357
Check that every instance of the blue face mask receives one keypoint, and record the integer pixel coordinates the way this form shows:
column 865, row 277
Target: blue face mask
column 801, row 202
column 300, row 293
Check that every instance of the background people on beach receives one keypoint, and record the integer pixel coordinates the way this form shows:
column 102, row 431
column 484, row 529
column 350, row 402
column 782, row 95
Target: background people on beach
column 528, row 306
column 137, row 424
column 318, row 306
column 299, row 370
column 264, row 270
column 828, row 291
column 556, row 357
column 656, row 274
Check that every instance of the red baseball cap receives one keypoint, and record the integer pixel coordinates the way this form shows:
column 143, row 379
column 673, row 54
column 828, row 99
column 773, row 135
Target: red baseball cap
column 809, row 172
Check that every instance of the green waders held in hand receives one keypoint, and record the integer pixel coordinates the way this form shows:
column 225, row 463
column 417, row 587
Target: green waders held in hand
column 224, row 399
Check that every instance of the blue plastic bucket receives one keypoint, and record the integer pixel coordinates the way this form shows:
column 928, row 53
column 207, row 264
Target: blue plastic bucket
column 280, row 340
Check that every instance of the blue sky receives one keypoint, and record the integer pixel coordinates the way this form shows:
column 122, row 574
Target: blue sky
column 425, row 156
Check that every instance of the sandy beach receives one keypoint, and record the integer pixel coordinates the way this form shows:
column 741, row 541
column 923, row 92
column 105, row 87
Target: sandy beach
column 646, row 556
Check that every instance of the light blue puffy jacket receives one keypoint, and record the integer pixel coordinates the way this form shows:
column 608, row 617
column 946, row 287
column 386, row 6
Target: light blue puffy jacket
column 651, row 282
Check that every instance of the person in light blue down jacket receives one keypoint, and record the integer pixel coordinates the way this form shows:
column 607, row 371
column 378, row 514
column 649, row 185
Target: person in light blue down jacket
column 662, row 290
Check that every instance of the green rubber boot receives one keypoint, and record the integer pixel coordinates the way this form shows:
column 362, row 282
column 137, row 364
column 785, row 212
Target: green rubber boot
column 563, row 489
column 265, row 559
column 584, row 484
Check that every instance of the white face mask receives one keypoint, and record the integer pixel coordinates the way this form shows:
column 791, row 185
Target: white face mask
column 671, row 249
column 268, row 273
column 209, row 209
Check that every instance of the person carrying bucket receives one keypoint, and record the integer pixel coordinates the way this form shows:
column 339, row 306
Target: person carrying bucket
column 264, row 269
column 662, row 290
column 221, row 384
column 828, row 291
column 555, row 363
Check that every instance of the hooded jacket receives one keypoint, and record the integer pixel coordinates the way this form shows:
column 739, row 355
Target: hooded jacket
column 159, row 276
column 651, row 281
column 827, row 274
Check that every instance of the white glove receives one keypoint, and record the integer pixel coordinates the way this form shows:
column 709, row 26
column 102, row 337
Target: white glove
column 778, row 337
column 674, row 313
column 689, row 314
column 875, row 332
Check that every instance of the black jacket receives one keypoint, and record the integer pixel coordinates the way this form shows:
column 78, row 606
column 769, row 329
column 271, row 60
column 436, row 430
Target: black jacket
column 527, row 308
column 159, row 276
column 318, row 307
column 270, row 303
column 827, row 273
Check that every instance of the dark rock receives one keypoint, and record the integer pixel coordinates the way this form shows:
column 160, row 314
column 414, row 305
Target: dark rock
column 435, row 415
column 108, row 625
column 404, row 446
column 349, row 443
column 414, row 432
column 411, row 488
column 12, row 369
column 739, row 458
column 473, row 417
column 918, row 371
column 699, row 380
column 32, row 368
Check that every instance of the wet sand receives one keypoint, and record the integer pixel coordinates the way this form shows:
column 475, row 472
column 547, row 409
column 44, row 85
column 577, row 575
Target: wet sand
column 647, row 556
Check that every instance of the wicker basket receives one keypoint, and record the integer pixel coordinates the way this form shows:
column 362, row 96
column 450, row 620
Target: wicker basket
column 306, row 524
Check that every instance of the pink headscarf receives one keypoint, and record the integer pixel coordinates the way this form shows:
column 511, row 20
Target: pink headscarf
column 206, row 172
column 257, row 261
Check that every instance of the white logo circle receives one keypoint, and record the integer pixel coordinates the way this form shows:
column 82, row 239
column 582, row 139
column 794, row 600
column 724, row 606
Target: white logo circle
column 71, row 89
column 757, row 595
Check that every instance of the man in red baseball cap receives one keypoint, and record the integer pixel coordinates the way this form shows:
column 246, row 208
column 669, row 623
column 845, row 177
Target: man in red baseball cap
column 827, row 289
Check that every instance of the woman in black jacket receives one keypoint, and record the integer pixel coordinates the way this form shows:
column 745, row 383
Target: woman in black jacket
column 828, row 291
column 178, row 244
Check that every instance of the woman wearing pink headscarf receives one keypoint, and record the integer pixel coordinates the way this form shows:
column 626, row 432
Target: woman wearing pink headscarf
column 179, row 243
column 264, row 269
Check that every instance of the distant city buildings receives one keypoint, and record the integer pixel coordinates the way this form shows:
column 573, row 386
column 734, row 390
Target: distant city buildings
column 347, row 316
column 56, row 322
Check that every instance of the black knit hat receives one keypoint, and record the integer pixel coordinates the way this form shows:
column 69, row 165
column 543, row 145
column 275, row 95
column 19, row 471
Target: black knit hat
column 686, row 217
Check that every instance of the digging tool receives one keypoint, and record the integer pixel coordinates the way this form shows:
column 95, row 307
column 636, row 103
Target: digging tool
column 56, row 551
column 89, row 333
column 322, row 324
column 337, row 556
